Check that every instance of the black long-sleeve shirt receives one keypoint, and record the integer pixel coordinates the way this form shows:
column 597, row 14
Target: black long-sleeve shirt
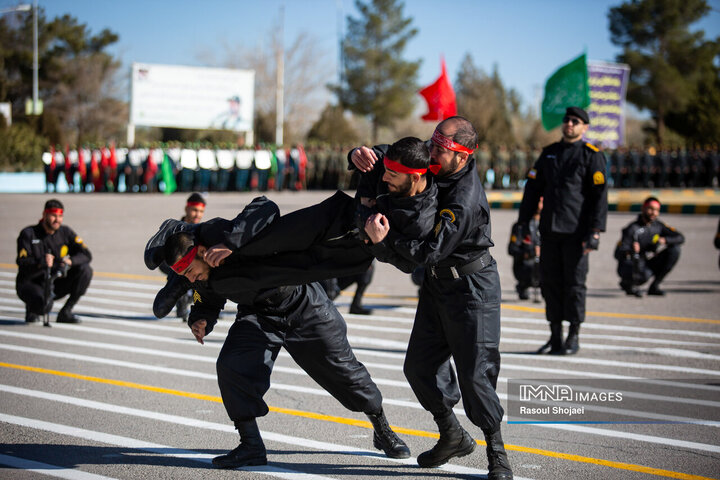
column 34, row 242
column 571, row 179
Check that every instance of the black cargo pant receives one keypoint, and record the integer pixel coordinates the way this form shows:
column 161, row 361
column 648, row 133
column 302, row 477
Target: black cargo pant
column 314, row 333
column 658, row 266
column 75, row 284
column 563, row 272
column 458, row 318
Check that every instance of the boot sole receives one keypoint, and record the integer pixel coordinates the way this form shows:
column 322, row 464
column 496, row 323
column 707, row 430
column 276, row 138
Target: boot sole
column 252, row 462
column 462, row 453
column 391, row 454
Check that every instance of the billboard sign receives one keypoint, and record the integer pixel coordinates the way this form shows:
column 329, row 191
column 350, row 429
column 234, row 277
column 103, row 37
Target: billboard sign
column 192, row 97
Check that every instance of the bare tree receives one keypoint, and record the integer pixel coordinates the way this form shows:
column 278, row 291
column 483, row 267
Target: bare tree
column 307, row 71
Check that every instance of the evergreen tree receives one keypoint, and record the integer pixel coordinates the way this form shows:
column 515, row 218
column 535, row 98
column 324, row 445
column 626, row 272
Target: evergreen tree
column 333, row 128
column 668, row 62
column 376, row 81
column 483, row 100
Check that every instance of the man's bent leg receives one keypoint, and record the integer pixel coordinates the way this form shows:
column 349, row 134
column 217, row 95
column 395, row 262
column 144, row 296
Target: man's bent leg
column 551, row 275
column 318, row 343
column 75, row 284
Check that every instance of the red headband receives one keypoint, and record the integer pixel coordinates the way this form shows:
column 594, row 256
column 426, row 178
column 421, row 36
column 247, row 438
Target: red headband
column 56, row 211
column 185, row 261
column 446, row 142
column 399, row 167
column 647, row 202
column 195, row 204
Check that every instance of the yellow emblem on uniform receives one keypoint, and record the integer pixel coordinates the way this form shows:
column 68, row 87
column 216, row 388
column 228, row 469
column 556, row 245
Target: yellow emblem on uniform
column 448, row 214
column 532, row 173
column 23, row 253
column 78, row 239
column 592, row 147
column 656, row 238
column 513, row 239
column 196, row 297
column 598, row 178
column 63, row 250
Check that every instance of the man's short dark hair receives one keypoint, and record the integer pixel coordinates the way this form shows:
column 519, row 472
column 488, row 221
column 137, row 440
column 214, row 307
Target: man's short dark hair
column 411, row 152
column 54, row 203
column 196, row 198
column 465, row 134
column 651, row 199
column 177, row 246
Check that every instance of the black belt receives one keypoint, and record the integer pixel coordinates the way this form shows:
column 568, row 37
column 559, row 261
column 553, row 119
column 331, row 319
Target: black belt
column 456, row 271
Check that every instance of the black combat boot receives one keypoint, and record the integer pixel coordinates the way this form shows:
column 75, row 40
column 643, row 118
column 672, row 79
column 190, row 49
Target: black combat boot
column 169, row 295
column 555, row 344
column 250, row 452
column 385, row 439
column 31, row 317
column 572, row 343
column 498, row 464
column 65, row 314
column 356, row 305
column 655, row 289
column 454, row 442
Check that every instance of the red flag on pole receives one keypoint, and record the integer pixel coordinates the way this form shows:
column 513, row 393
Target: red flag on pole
column 440, row 98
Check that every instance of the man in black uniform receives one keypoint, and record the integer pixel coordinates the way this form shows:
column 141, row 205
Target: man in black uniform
column 647, row 235
column 458, row 313
column 334, row 286
column 51, row 252
column 524, row 247
column 176, row 289
column 302, row 319
column 570, row 176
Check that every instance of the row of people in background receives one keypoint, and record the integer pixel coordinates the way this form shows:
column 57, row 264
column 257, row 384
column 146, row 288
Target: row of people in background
column 195, row 168
column 210, row 168
column 664, row 167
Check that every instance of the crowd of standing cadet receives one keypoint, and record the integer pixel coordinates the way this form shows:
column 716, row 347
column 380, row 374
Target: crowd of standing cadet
column 205, row 167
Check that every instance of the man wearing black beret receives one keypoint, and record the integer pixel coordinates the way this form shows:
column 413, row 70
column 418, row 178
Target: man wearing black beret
column 570, row 176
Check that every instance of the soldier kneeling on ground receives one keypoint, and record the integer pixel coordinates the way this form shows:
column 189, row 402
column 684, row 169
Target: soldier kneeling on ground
column 648, row 248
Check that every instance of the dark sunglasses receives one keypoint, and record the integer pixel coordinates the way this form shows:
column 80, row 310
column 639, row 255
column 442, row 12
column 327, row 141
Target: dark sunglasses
column 572, row 121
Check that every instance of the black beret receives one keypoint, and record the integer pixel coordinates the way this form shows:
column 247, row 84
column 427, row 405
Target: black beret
column 578, row 112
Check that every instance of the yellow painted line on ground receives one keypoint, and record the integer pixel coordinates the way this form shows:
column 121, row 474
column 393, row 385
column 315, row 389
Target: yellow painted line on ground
column 129, row 276
column 363, row 424
column 663, row 318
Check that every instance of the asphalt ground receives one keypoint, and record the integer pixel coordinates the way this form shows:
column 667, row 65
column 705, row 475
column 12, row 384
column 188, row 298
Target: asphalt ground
column 124, row 395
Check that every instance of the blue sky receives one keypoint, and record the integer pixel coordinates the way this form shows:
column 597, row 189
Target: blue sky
column 526, row 39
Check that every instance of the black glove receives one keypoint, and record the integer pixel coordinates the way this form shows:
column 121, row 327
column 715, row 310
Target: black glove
column 592, row 241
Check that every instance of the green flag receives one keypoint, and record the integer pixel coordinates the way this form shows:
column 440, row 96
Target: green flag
column 168, row 176
column 567, row 87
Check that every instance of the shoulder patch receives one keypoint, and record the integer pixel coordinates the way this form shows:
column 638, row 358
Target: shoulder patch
column 444, row 213
column 23, row 253
column 532, row 173
column 598, row 178
column 592, row 147
column 78, row 240
column 196, row 297
column 447, row 213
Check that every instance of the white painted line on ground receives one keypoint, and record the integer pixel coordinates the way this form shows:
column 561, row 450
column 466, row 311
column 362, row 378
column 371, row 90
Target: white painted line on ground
column 49, row 470
column 126, row 442
column 191, row 422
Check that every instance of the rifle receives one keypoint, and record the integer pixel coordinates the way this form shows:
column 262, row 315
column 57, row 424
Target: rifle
column 637, row 275
column 50, row 277
column 535, row 279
